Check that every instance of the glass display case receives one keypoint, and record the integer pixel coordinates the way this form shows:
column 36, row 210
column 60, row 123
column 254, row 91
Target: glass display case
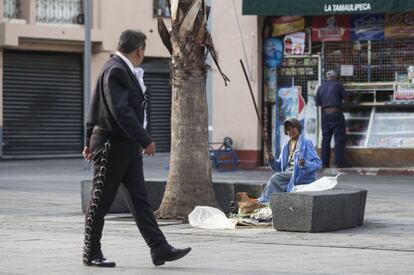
column 374, row 120
column 357, row 124
column 392, row 129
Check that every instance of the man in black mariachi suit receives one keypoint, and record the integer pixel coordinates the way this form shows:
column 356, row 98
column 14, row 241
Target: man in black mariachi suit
column 115, row 140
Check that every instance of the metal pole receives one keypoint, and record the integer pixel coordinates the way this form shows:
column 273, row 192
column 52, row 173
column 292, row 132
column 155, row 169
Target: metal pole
column 265, row 135
column 236, row 18
column 86, row 66
column 209, row 83
column 369, row 61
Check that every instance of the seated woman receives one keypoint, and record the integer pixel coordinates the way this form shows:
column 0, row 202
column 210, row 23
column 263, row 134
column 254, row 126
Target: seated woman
column 297, row 164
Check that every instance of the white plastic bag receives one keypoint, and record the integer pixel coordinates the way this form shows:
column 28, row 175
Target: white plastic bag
column 262, row 214
column 207, row 217
column 322, row 184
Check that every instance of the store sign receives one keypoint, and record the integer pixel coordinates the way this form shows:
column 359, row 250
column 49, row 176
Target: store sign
column 324, row 7
column 347, row 7
column 287, row 24
column 399, row 25
column 331, row 28
column 368, row 27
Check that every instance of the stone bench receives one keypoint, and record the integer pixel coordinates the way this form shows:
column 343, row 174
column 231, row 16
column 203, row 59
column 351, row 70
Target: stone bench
column 155, row 190
column 340, row 208
column 224, row 191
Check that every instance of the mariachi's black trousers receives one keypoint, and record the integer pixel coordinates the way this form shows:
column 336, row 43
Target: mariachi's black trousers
column 117, row 162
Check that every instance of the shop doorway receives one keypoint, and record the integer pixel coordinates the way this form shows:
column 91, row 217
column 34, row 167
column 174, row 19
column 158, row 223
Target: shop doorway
column 157, row 81
column 42, row 104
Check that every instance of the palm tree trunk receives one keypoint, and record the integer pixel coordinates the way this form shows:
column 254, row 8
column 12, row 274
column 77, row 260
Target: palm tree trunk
column 189, row 181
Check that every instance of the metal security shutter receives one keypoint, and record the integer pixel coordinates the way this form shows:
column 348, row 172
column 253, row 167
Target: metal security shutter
column 157, row 80
column 43, row 104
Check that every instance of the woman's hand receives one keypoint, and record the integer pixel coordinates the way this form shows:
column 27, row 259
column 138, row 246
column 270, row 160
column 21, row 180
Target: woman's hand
column 269, row 156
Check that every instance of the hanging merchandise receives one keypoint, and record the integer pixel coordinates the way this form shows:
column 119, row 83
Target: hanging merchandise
column 273, row 50
column 270, row 86
column 294, row 43
column 404, row 91
column 399, row 25
column 287, row 24
column 368, row 27
column 331, row 28
column 289, row 104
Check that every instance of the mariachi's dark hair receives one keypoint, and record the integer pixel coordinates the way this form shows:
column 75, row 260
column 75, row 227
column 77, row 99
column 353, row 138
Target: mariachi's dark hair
column 130, row 40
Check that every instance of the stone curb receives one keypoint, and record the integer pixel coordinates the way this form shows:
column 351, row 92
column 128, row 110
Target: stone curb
column 365, row 171
column 225, row 192
column 371, row 171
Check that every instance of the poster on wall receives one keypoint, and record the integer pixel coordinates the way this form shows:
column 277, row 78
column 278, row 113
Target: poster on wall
column 399, row 25
column 331, row 28
column 294, row 44
column 347, row 70
column 311, row 121
column 311, row 113
column 367, row 27
column 313, row 86
column 289, row 104
column 287, row 24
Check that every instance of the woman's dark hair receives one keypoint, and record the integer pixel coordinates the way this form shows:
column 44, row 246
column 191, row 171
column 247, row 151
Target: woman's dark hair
column 130, row 40
column 293, row 122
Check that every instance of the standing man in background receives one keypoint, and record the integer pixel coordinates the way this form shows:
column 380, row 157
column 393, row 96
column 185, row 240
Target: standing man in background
column 330, row 97
column 115, row 140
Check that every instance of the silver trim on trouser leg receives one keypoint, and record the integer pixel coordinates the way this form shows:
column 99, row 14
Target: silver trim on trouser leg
column 98, row 184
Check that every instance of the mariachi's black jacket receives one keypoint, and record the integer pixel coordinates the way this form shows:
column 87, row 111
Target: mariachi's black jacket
column 117, row 105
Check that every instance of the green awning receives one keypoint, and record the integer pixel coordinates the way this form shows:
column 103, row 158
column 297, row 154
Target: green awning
column 324, row 7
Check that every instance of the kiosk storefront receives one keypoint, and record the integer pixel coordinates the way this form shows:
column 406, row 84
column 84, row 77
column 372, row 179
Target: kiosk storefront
column 370, row 44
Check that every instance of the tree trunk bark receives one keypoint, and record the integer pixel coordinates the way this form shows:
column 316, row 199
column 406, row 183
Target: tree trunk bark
column 189, row 181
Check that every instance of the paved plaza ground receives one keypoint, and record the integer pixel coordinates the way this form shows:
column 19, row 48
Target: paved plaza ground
column 41, row 230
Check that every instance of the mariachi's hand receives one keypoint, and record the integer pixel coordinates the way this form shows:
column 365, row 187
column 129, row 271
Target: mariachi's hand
column 87, row 154
column 269, row 156
column 150, row 149
column 301, row 162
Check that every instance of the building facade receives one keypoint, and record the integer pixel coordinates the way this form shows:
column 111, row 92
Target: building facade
column 41, row 73
column 368, row 44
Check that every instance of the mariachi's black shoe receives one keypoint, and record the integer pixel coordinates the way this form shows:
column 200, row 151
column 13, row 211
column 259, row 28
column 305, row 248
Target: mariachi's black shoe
column 101, row 261
column 167, row 254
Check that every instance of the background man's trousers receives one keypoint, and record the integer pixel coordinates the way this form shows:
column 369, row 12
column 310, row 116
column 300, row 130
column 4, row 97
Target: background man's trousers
column 333, row 124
